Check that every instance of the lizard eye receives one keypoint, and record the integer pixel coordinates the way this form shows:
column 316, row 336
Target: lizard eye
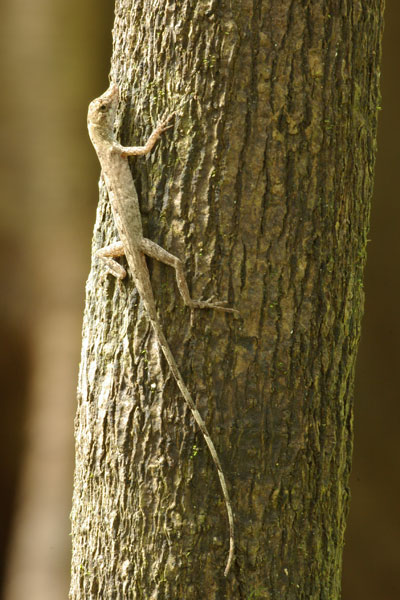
column 103, row 107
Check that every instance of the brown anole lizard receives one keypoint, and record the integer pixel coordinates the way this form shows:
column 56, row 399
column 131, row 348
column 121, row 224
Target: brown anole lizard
column 124, row 202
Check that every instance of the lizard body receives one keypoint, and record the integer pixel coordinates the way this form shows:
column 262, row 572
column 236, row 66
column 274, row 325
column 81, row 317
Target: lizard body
column 126, row 212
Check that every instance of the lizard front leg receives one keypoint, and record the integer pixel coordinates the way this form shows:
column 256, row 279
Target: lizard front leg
column 143, row 150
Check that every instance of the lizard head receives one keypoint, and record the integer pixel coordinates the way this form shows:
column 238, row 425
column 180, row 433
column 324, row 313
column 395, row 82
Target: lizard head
column 101, row 113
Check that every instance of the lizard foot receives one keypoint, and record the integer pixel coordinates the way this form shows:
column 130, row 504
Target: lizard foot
column 220, row 305
column 162, row 125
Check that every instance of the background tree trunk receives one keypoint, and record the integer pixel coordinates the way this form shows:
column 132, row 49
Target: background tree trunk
column 263, row 187
column 46, row 207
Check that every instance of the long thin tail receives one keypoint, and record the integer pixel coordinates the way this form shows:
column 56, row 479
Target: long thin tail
column 199, row 420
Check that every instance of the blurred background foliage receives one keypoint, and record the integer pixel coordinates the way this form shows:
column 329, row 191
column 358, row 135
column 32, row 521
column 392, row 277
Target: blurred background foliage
column 55, row 57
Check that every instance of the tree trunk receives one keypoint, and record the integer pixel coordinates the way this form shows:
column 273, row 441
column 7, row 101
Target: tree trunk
column 263, row 189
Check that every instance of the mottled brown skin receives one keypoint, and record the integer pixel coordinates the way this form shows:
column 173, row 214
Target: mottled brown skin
column 125, row 207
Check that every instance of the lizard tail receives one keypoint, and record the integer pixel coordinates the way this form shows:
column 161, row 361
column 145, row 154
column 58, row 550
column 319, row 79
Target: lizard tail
column 199, row 420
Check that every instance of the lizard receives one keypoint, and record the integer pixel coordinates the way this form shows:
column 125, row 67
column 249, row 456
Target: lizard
column 122, row 195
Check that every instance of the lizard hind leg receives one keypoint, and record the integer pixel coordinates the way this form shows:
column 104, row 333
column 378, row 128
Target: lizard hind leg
column 155, row 251
column 107, row 255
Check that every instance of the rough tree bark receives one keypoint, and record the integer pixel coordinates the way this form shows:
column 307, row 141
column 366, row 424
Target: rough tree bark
column 263, row 188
